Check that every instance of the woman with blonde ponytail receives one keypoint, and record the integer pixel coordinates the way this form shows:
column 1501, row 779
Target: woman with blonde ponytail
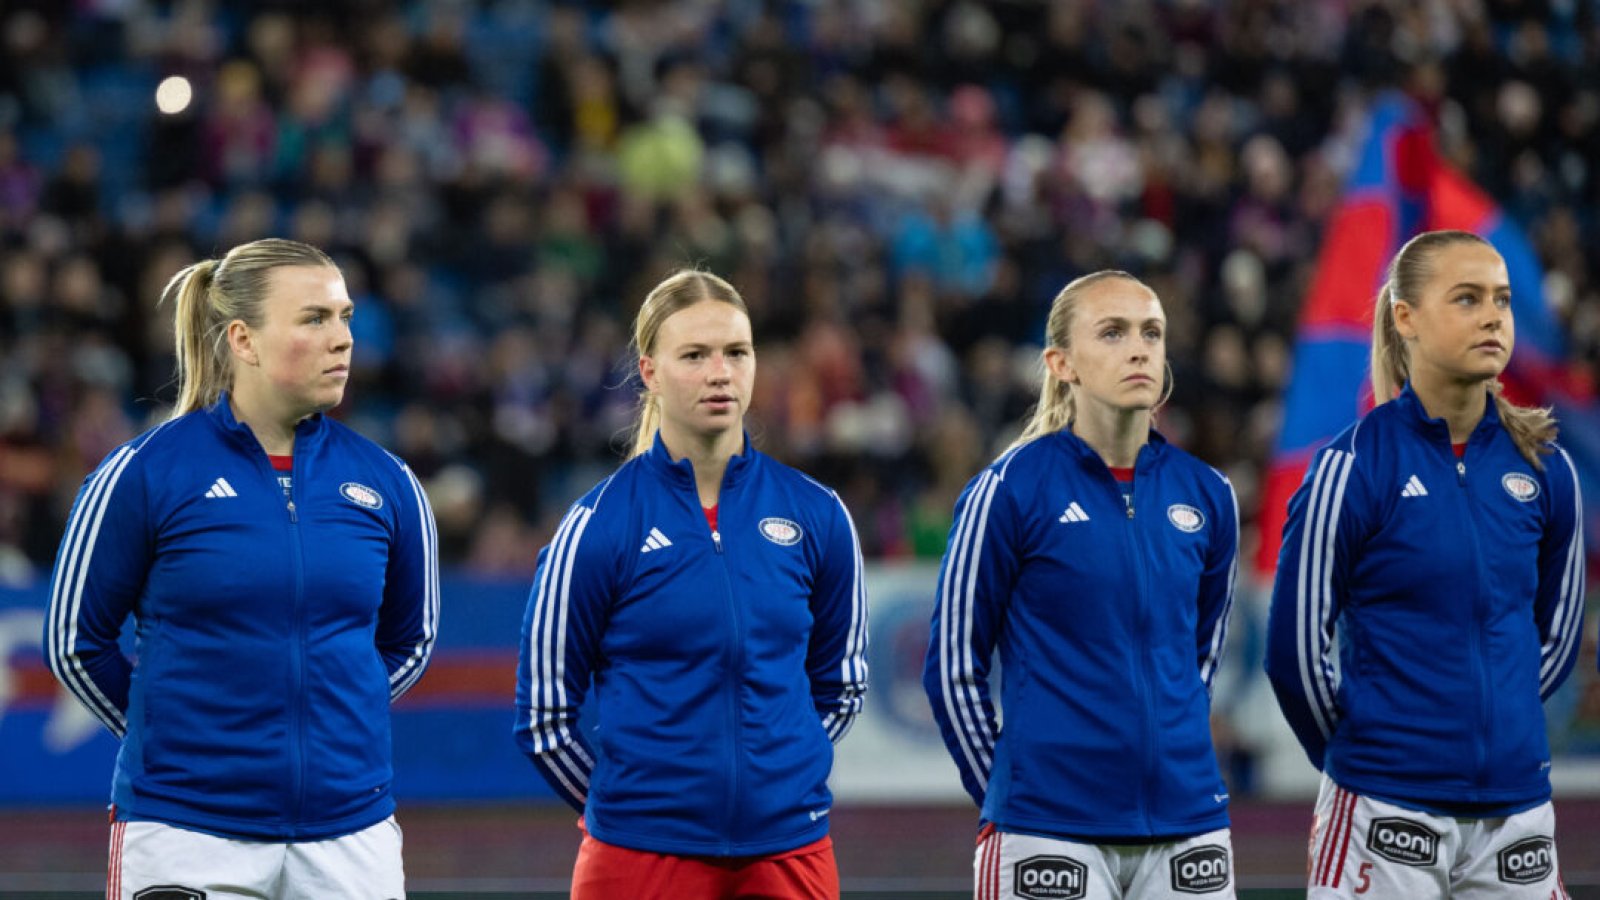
column 711, row 599
column 280, row 573
column 1099, row 560
column 1438, row 544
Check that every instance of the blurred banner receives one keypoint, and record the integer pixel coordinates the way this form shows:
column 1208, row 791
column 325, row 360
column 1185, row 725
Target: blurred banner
column 1397, row 187
column 452, row 732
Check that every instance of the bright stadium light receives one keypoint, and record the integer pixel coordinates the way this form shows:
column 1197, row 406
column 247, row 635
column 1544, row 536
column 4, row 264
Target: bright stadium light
column 173, row 95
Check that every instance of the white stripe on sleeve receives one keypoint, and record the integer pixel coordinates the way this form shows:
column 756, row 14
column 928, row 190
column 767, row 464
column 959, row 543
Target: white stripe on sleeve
column 963, row 703
column 407, row 673
column 66, row 600
column 1219, row 632
column 1314, row 605
column 1562, row 640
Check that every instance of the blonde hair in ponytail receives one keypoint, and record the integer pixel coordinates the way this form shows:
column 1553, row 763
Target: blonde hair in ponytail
column 210, row 294
column 1057, row 405
column 1530, row 428
column 680, row 290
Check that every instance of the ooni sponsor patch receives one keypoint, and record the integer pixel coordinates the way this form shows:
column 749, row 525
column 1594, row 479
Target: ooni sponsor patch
column 1050, row 878
column 1403, row 841
column 1528, row 861
column 169, row 892
column 1201, row 870
column 780, row 531
column 361, row 495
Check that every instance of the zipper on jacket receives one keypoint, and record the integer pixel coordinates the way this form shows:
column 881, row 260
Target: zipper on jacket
column 1479, row 641
column 297, row 714
column 297, row 660
column 1151, row 732
column 735, row 668
column 1140, row 636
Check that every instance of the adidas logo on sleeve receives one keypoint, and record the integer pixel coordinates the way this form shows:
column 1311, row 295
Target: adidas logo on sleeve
column 221, row 488
column 1414, row 488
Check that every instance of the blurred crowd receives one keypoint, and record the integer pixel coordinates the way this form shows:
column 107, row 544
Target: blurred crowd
column 898, row 189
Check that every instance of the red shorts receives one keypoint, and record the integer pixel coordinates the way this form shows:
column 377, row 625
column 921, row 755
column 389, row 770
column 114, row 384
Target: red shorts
column 606, row 872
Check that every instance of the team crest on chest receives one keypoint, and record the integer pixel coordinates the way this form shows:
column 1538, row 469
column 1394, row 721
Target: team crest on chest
column 361, row 495
column 1185, row 517
column 782, row 532
column 1520, row 486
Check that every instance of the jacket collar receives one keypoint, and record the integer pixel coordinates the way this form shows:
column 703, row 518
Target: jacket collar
column 1415, row 413
column 682, row 471
column 307, row 433
column 1150, row 455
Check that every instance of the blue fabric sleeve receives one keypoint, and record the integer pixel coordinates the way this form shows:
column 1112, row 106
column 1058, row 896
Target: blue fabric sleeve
column 99, row 576
column 561, row 631
column 1215, row 602
column 975, row 583
column 408, row 620
column 1558, row 603
column 1307, row 596
column 836, row 660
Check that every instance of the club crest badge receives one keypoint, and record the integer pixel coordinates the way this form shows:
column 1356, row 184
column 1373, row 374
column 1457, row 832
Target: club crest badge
column 361, row 495
column 782, row 532
column 1185, row 517
column 1520, row 486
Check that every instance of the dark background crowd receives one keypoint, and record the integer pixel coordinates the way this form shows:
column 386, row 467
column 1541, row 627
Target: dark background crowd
column 897, row 188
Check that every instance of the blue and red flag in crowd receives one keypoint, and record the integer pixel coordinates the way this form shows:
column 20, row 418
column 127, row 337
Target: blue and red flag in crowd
column 1399, row 187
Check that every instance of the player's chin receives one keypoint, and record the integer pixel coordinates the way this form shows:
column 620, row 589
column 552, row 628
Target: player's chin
column 1483, row 367
column 1140, row 395
column 327, row 398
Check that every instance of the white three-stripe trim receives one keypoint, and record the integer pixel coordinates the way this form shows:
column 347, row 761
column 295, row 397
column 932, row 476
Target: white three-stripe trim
column 963, row 703
column 1219, row 634
column 853, row 668
column 548, row 637
column 407, row 674
column 1318, row 548
column 1562, row 640
column 66, row 595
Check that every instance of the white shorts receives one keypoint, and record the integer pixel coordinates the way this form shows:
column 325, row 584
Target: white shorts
column 1364, row 847
column 153, row 861
column 1039, row 868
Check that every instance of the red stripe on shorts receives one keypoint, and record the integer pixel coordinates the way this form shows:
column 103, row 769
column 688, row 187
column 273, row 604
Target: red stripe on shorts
column 114, row 866
column 1322, row 837
column 1344, row 842
column 1335, row 837
column 994, row 870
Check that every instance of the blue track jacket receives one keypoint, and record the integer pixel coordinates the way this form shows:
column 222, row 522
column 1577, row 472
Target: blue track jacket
column 722, row 664
column 1110, row 618
column 1455, row 588
column 271, row 635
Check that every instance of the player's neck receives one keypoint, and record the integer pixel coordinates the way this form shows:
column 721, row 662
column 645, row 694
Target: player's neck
column 1114, row 433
